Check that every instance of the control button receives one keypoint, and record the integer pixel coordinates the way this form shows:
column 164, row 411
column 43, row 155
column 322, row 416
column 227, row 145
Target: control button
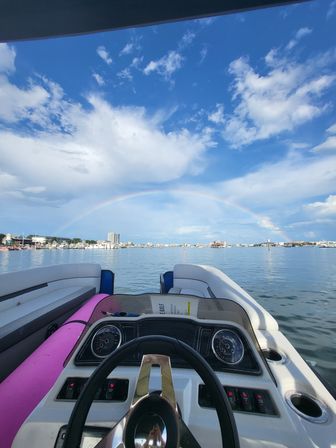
column 241, row 400
column 259, row 403
column 246, row 401
column 232, row 397
column 70, row 390
column 110, row 390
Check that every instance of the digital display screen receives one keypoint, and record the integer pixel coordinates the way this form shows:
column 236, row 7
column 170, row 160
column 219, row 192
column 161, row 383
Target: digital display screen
column 184, row 331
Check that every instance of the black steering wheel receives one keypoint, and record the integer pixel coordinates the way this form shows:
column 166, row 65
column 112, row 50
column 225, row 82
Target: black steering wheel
column 155, row 415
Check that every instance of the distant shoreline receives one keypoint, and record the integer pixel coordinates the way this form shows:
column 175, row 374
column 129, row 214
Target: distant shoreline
column 163, row 246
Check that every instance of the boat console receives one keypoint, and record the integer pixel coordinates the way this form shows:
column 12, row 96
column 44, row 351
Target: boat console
column 139, row 335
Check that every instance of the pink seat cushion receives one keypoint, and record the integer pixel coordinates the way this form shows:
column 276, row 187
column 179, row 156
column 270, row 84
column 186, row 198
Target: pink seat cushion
column 24, row 388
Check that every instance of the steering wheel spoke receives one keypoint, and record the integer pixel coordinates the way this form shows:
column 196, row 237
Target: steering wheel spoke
column 167, row 387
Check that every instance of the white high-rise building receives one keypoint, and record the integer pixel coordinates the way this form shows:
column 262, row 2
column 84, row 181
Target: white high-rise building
column 113, row 237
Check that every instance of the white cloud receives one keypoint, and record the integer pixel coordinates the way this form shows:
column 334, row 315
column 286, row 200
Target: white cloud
column 206, row 21
column 103, row 53
column 187, row 230
column 272, row 58
column 125, row 74
column 16, row 103
column 136, row 62
column 128, row 48
column 330, row 141
column 302, row 32
column 99, row 79
column 165, row 66
column 203, row 53
column 289, row 181
column 217, row 116
column 74, row 143
column 332, row 9
column 28, row 103
column 42, row 104
column 326, row 208
column 7, row 182
column 310, row 223
column 327, row 145
column 298, row 145
column 187, row 40
column 131, row 46
column 104, row 146
column 278, row 101
column 266, row 223
column 34, row 189
column 7, row 58
column 332, row 129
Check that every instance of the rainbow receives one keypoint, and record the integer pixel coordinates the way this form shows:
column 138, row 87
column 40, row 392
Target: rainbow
column 260, row 220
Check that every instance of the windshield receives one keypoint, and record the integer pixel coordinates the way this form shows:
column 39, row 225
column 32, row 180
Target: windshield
column 201, row 134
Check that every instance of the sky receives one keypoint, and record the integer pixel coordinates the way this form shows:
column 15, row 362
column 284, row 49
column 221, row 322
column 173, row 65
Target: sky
column 222, row 128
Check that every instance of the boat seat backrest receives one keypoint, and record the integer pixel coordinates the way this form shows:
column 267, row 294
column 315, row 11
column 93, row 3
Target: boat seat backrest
column 19, row 322
column 34, row 301
column 212, row 282
column 15, row 281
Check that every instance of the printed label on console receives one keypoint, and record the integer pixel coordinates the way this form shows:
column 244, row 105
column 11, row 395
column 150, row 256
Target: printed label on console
column 173, row 305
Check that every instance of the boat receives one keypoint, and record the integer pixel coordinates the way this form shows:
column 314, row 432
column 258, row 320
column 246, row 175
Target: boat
column 198, row 364
column 219, row 352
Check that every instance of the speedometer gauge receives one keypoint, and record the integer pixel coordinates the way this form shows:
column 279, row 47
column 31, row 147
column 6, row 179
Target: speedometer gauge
column 227, row 347
column 105, row 341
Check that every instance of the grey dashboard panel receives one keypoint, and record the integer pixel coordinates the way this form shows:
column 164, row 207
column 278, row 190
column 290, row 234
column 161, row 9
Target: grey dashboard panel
column 197, row 335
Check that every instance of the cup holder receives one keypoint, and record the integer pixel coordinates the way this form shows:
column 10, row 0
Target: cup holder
column 274, row 356
column 307, row 407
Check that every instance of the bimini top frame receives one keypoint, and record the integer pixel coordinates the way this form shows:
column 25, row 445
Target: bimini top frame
column 34, row 19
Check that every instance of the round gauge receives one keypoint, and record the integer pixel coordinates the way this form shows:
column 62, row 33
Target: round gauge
column 105, row 341
column 227, row 347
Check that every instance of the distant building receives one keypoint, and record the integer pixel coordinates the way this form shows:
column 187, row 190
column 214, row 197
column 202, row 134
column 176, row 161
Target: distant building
column 7, row 239
column 113, row 237
column 218, row 244
column 39, row 239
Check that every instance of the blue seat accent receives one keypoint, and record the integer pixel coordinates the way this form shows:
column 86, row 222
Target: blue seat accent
column 106, row 282
column 166, row 282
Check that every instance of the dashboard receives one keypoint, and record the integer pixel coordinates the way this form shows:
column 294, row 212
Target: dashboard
column 224, row 347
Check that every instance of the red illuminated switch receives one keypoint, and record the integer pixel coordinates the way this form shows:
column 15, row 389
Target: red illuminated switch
column 71, row 390
column 259, row 403
column 110, row 390
column 232, row 397
column 246, row 401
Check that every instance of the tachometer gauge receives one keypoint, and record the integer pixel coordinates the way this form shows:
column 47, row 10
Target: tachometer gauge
column 227, row 347
column 105, row 341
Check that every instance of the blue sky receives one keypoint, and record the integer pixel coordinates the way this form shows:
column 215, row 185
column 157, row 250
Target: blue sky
column 221, row 128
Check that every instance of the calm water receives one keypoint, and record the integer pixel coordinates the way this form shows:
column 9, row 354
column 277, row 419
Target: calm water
column 297, row 285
